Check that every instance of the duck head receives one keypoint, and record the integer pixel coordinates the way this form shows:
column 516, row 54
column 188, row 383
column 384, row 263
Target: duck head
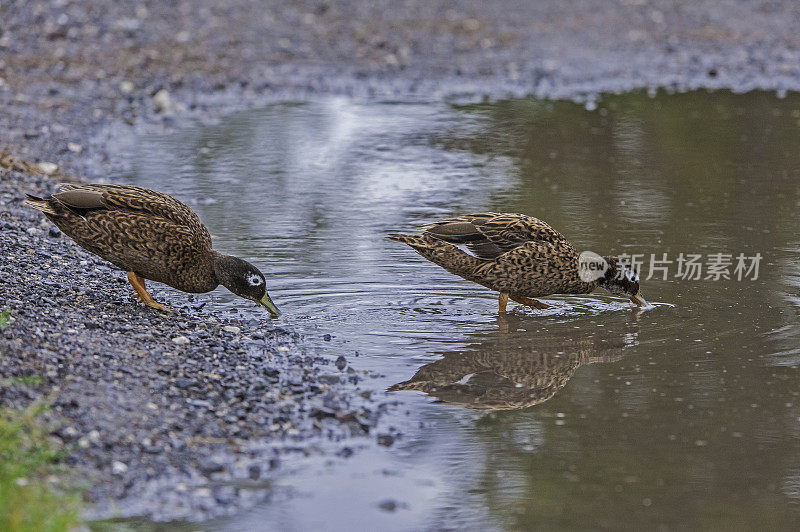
column 622, row 280
column 244, row 280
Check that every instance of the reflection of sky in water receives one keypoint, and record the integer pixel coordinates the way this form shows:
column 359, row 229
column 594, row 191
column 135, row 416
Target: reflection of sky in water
column 690, row 407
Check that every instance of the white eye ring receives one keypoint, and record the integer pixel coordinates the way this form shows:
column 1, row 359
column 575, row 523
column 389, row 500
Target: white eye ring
column 254, row 280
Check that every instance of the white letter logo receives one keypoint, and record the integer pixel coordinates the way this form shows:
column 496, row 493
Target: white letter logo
column 591, row 266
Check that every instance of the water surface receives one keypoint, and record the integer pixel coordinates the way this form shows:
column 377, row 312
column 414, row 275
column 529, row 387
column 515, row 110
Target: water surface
column 587, row 415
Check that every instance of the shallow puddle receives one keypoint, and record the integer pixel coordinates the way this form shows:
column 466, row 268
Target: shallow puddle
column 587, row 415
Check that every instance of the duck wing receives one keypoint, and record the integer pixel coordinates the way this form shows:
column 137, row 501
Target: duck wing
column 82, row 198
column 489, row 234
column 126, row 198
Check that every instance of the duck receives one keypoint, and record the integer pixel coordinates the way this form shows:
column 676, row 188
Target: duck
column 521, row 257
column 151, row 236
column 504, row 370
column 502, row 379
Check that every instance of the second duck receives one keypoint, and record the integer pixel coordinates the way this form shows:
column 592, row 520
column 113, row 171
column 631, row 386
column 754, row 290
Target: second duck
column 520, row 256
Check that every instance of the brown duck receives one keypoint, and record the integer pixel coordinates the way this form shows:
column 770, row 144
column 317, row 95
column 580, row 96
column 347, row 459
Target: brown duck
column 506, row 370
column 500, row 379
column 152, row 236
column 519, row 256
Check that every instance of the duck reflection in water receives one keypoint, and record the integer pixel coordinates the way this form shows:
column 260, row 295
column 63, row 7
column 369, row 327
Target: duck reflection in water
column 513, row 368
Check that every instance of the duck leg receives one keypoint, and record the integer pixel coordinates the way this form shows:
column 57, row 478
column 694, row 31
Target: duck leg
column 503, row 302
column 530, row 302
column 138, row 285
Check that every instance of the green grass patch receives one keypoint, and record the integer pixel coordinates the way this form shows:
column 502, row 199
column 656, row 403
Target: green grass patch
column 33, row 496
column 5, row 318
column 25, row 380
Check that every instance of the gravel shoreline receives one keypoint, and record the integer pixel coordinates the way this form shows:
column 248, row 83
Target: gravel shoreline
column 167, row 415
column 184, row 415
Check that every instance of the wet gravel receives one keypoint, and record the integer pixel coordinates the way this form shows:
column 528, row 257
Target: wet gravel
column 189, row 415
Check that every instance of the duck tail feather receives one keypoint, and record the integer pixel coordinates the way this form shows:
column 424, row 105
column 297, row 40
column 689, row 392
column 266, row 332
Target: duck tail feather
column 38, row 203
column 399, row 237
column 415, row 241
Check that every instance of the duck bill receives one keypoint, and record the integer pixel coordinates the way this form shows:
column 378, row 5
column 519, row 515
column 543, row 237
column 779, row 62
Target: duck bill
column 267, row 303
column 638, row 300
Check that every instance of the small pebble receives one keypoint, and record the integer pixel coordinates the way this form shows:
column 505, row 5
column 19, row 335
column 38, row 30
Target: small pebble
column 162, row 102
column 118, row 468
column 181, row 340
column 210, row 466
column 387, row 440
column 47, row 168
column 388, row 505
column 183, row 383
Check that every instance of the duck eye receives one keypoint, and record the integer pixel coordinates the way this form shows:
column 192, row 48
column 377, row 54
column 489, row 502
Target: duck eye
column 254, row 280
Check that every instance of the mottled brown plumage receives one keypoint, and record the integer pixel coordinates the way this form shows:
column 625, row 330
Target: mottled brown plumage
column 510, row 369
column 520, row 256
column 498, row 380
column 150, row 235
